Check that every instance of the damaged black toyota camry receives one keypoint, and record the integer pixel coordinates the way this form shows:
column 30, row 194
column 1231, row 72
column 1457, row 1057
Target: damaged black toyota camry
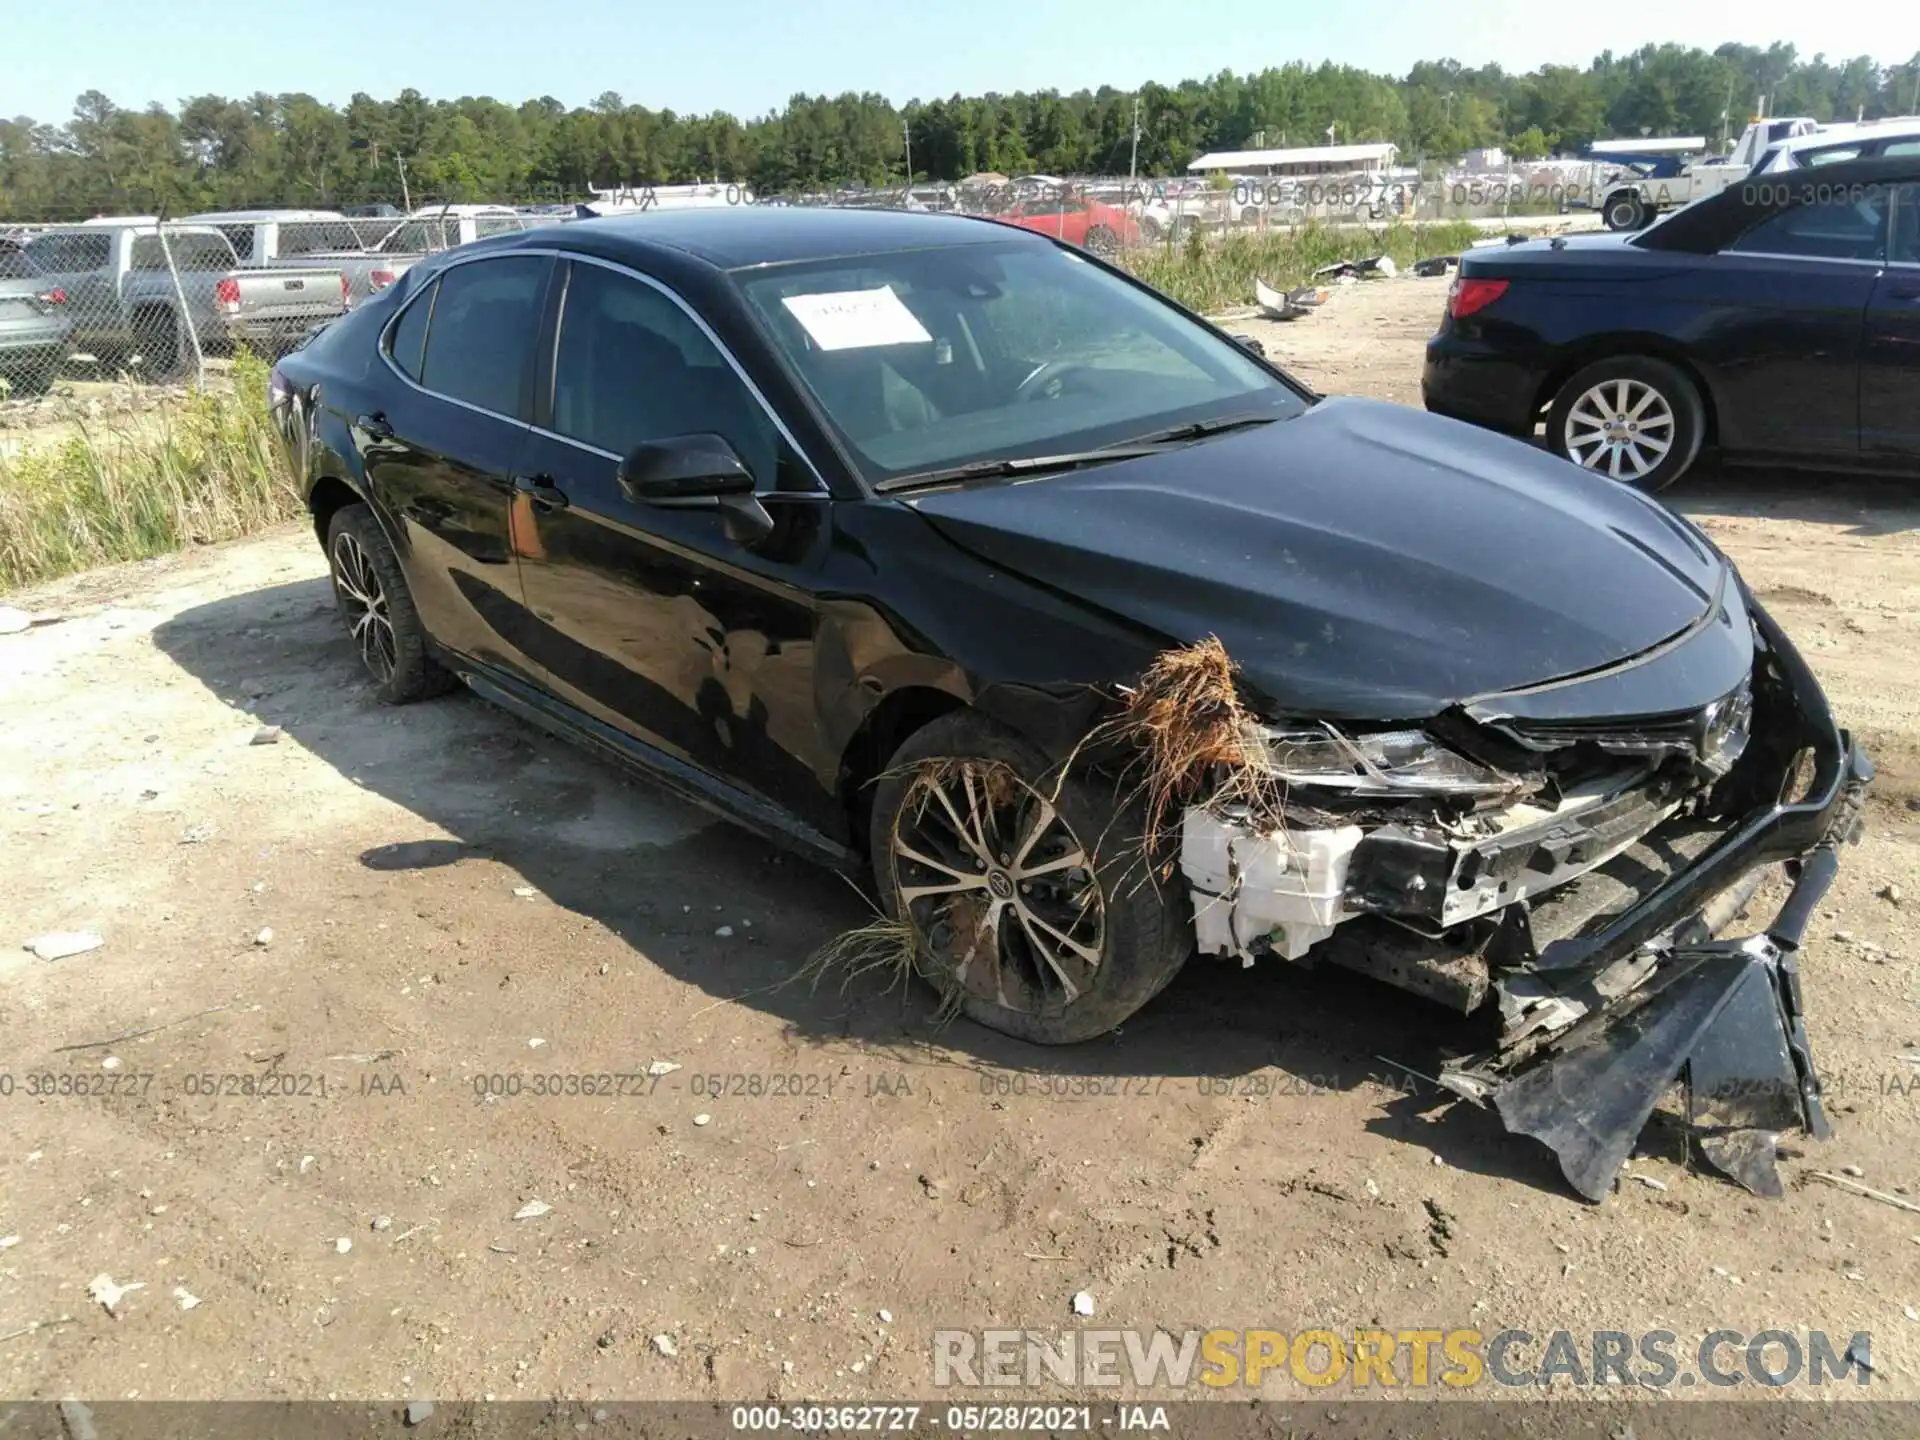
column 934, row 546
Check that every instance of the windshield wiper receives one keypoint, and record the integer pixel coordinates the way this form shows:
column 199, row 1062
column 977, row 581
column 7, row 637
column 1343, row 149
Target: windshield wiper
column 1019, row 465
column 1199, row 429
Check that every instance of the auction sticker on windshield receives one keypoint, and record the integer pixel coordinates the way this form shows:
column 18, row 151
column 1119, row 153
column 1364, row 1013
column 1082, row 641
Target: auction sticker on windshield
column 856, row 319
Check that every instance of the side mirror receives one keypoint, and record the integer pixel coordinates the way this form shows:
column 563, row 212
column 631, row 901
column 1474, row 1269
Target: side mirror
column 697, row 472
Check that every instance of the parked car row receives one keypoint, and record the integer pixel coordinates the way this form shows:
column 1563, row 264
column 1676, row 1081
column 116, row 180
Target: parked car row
column 126, row 292
column 134, row 293
column 372, row 258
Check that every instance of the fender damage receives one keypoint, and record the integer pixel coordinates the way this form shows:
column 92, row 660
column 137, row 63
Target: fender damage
column 1534, row 790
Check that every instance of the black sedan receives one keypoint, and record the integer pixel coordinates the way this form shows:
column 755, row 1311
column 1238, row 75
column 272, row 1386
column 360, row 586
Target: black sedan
column 932, row 545
column 1778, row 321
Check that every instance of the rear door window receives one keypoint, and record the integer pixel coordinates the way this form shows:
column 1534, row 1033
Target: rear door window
column 1849, row 224
column 1904, row 247
column 485, row 320
column 192, row 253
column 304, row 237
column 418, row 237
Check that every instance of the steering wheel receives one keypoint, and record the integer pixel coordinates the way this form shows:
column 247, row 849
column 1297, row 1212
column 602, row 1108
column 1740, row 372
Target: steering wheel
column 1043, row 376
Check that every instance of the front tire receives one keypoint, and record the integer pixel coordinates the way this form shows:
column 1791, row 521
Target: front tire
column 1103, row 242
column 1625, row 211
column 374, row 601
column 1629, row 418
column 1032, row 908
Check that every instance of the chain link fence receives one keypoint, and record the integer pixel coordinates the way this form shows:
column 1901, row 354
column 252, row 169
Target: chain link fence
column 140, row 301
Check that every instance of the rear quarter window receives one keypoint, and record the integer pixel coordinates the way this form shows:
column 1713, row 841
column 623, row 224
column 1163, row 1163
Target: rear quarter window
column 406, row 342
column 55, row 254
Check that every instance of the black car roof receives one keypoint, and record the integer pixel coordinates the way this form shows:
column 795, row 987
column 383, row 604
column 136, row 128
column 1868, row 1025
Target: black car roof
column 1708, row 224
column 743, row 235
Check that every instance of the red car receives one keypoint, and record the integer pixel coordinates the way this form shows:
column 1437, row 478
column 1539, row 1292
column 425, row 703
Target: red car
column 1103, row 229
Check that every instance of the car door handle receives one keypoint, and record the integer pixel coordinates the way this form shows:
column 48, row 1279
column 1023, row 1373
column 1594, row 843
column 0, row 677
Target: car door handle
column 541, row 490
column 1905, row 292
column 374, row 425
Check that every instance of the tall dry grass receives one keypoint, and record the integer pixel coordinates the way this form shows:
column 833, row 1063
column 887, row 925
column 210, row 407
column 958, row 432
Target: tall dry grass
column 198, row 469
column 1207, row 274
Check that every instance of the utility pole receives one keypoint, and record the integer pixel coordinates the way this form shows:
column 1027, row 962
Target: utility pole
column 1133, row 164
column 906, row 136
column 406, row 195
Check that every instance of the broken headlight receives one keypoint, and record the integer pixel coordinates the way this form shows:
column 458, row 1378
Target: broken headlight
column 1384, row 763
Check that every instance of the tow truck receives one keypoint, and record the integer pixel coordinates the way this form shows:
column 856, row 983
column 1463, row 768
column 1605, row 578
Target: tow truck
column 1634, row 180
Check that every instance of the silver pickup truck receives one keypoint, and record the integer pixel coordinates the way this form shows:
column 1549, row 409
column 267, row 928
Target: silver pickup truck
column 372, row 254
column 307, row 240
column 127, row 303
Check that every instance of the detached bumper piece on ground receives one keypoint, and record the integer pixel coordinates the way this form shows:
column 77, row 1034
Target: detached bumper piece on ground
column 1573, row 872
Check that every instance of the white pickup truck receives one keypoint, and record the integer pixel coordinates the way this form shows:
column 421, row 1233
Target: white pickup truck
column 1630, row 191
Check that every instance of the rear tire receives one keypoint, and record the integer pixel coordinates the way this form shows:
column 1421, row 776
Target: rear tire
column 156, row 343
column 980, row 920
column 374, row 601
column 35, row 381
column 1613, row 416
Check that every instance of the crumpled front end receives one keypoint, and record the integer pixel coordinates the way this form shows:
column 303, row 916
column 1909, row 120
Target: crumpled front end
column 1575, row 869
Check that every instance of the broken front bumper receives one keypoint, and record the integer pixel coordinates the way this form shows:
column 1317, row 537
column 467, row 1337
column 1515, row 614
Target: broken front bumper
column 1599, row 1021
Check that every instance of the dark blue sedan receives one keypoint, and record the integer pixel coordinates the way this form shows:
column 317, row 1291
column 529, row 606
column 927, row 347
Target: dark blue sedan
column 1778, row 321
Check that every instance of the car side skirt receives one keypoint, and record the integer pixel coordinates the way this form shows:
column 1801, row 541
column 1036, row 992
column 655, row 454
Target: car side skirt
column 689, row 782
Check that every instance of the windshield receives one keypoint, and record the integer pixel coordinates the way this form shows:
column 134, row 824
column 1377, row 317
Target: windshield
column 927, row 359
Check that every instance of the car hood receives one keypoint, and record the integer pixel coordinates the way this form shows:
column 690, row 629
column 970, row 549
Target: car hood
column 1362, row 560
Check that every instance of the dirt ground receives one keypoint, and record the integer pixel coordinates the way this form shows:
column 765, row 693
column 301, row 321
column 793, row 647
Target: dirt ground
column 392, row 911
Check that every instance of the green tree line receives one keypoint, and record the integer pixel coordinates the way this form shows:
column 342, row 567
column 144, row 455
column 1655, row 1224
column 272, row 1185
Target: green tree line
column 214, row 151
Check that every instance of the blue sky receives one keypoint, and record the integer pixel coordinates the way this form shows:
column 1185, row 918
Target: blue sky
column 747, row 56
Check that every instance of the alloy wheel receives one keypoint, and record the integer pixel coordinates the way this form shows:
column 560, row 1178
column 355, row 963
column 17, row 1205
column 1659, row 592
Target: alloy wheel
column 994, row 881
column 1620, row 428
column 364, row 601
